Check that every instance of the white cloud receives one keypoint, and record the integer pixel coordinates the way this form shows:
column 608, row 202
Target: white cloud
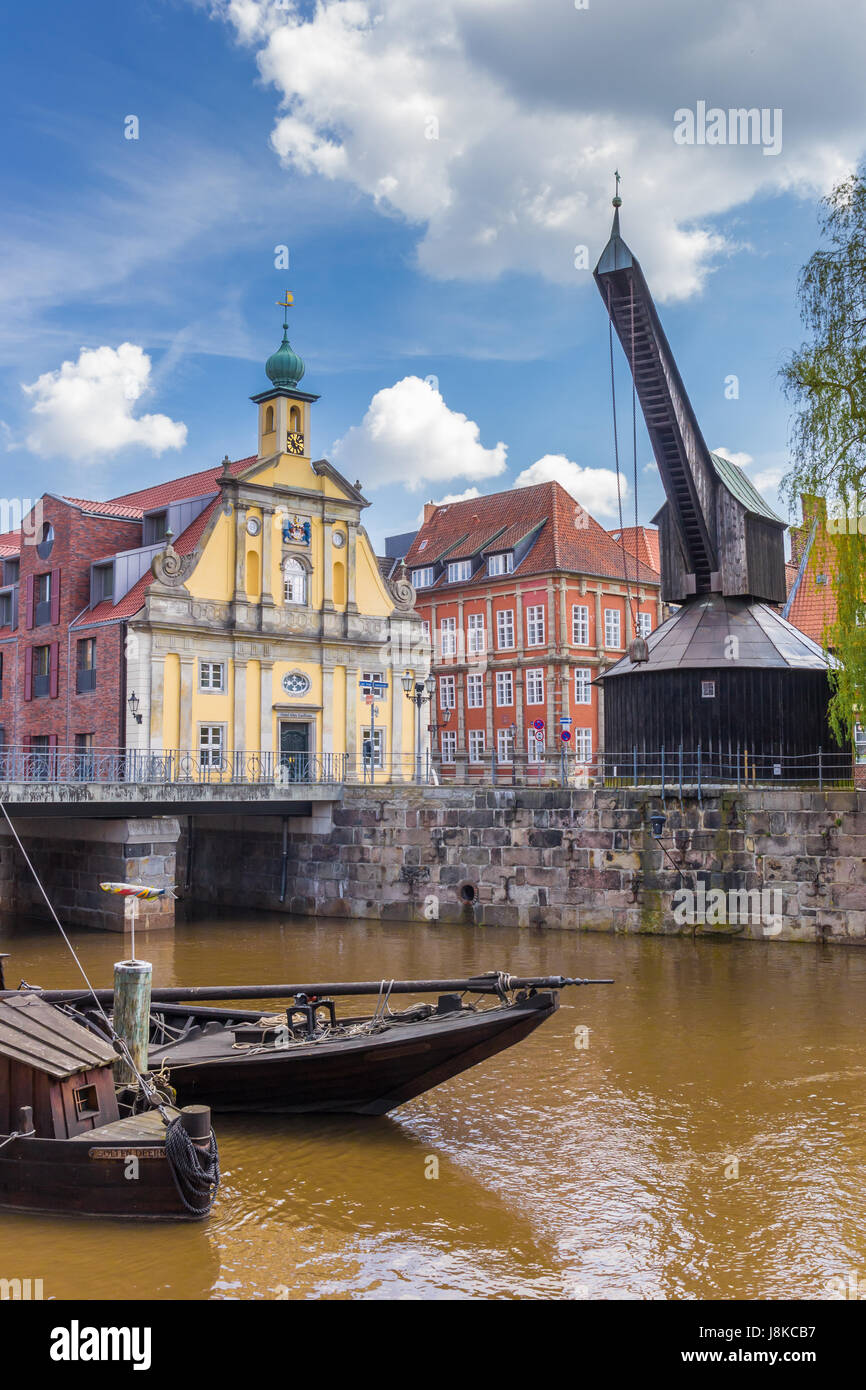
column 768, row 479
column 409, row 436
column 495, row 127
column 84, row 410
column 593, row 488
column 742, row 460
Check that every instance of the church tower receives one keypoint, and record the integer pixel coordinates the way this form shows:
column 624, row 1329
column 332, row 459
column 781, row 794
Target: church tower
column 284, row 410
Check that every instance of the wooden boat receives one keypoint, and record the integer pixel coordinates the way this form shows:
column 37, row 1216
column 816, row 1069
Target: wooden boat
column 305, row 1060
column 64, row 1147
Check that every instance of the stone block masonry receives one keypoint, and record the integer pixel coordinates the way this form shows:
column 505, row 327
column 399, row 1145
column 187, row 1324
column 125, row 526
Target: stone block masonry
column 567, row 859
column 73, row 856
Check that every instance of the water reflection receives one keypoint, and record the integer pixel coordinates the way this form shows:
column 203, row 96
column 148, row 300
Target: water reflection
column 707, row 1143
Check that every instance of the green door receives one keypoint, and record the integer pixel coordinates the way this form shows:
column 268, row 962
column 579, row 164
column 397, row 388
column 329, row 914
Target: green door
column 295, row 752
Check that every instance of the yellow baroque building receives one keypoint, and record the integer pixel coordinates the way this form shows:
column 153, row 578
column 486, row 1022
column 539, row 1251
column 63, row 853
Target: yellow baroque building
column 268, row 611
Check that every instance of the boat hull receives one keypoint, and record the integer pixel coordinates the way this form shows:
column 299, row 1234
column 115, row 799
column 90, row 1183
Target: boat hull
column 369, row 1075
column 91, row 1175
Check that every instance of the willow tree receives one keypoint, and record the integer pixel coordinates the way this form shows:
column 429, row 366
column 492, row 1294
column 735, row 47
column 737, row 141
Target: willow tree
column 826, row 380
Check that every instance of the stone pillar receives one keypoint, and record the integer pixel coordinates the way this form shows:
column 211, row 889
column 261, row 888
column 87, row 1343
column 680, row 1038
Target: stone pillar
column 157, row 696
column 266, row 692
column 187, row 677
column 240, row 552
column 352, row 749
column 240, row 706
column 328, row 562
column 351, row 562
column 489, row 696
column 599, row 623
column 267, row 556
column 327, row 710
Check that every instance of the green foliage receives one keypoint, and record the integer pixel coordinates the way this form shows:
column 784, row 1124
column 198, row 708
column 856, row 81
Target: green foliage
column 826, row 380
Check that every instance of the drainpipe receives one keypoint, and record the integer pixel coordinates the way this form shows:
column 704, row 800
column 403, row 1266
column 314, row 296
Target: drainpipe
column 284, row 868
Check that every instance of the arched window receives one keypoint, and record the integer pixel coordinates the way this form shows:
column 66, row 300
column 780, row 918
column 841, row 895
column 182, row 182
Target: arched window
column 294, row 582
column 269, row 420
column 295, row 420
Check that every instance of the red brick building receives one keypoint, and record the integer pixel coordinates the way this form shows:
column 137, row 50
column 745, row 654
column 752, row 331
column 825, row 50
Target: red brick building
column 63, row 631
column 525, row 601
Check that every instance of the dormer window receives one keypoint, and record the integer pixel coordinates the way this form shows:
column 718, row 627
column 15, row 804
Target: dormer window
column 422, row 579
column 101, row 584
column 459, row 570
column 501, row 564
column 155, row 527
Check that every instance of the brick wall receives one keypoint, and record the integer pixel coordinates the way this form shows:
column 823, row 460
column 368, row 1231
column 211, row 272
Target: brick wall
column 79, row 539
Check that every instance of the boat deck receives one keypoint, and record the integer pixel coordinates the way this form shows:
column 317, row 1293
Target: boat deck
column 147, row 1128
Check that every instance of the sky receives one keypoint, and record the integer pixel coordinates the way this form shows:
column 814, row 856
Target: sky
column 439, row 178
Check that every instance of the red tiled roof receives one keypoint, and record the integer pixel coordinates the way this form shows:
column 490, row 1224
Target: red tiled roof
column 641, row 541
column 194, row 485
column 121, row 511
column 569, row 539
column 813, row 605
column 10, row 543
column 176, row 489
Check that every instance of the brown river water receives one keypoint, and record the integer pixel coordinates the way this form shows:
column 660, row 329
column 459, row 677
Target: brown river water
column 708, row 1142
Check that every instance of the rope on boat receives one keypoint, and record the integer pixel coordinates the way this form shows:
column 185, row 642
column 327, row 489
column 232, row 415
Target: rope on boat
column 196, row 1172
column 17, row 1134
column 119, row 1044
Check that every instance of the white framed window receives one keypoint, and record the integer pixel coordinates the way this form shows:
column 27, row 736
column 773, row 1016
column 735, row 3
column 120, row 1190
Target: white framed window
column 425, row 629
column 211, row 676
column 475, row 634
column 294, row 581
column 377, row 749
column 505, row 745
column 534, row 682
column 448, row 637
column 475, row 692
column 535, row 625
column 580, row 625
column 582, row 685
column 422, row 579
column 505, row 687
column 501, row 564
column 535, row 745
column 612, row 627
column 505, row 628
column 583, row 745
column 211, row 742
column 446, row 692
column 644, row 624
column 449, row 745
column 459, row 570
column 476, row 745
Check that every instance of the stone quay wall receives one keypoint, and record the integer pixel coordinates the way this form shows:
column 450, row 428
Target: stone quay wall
column 568, row 859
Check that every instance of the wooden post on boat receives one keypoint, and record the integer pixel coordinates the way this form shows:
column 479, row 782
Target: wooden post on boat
column 132, row 982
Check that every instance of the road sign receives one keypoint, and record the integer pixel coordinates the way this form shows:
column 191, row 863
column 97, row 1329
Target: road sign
column 374, row 687
column 565, row 736
column 538, row 723
column 566, row 719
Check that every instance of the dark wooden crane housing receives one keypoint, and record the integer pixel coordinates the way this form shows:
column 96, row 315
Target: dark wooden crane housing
column 726, row 671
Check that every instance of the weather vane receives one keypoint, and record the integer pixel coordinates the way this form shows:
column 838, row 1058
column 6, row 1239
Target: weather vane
column 286, row 304
column 617, row 200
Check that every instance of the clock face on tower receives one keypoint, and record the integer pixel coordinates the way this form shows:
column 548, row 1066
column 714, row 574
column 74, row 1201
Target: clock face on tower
column 294, row 443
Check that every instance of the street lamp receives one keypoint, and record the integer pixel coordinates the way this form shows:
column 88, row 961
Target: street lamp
column 134, row 703
column 420, row 693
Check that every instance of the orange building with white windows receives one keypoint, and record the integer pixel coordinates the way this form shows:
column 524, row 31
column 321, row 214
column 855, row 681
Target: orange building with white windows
column 525, row 599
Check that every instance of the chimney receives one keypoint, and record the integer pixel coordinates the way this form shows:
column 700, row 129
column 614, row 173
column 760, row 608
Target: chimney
column 429, row 509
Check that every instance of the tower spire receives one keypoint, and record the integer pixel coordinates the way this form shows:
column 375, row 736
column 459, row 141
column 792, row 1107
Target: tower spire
column 284, row 367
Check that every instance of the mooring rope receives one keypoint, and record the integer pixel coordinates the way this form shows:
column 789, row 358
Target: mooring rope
column 196, row 1171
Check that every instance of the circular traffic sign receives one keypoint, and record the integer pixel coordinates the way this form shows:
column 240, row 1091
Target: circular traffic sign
column 565, row 736
column 538, row 723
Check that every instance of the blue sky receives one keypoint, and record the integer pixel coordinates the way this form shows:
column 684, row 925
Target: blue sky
column 411, row 257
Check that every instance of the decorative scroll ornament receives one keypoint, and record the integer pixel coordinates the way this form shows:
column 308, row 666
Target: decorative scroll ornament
column 170, row 568
column 403, row 591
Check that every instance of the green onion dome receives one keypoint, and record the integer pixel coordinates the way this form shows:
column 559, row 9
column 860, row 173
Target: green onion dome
column 285, row 367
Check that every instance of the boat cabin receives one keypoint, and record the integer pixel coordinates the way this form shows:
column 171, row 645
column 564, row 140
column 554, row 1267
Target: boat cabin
column 58, row 1069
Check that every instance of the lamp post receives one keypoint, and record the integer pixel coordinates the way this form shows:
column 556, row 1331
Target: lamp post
column 420, row 693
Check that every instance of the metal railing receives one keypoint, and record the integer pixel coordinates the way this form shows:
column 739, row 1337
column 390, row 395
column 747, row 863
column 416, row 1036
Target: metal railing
column 674, row 771
column 168, row 766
